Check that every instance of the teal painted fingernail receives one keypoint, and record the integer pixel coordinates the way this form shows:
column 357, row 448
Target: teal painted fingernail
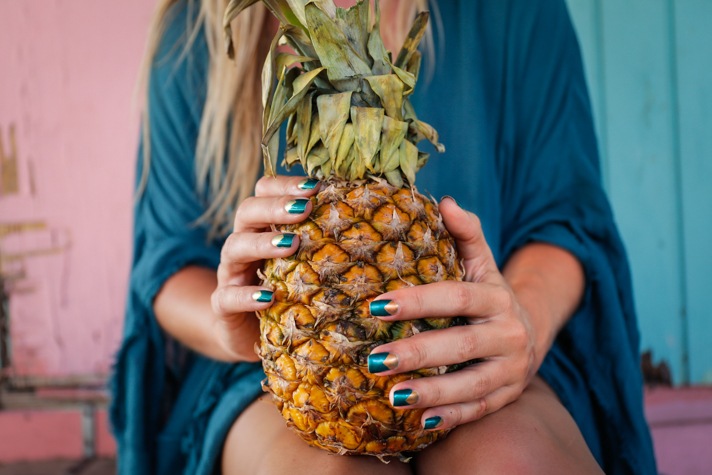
column 383, row 308
column 262, row 296
column 283, row 240
column 380, row 362
column 432, row 422
column 308, row 184
column 404, row 397
column 297, row 206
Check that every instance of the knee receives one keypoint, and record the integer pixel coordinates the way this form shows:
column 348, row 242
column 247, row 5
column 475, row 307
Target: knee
column 503, row 453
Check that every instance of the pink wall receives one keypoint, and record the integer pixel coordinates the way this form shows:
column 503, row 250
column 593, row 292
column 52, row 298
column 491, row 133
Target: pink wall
column 67, row 73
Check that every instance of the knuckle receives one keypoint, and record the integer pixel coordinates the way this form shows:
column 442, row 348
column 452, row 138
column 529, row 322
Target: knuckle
column 501, row 299
column 223, row 272
column 476, row 221
column 255, row 245
column 479, row 386
column 455, row 415
column 518, row 336
column 227, row 300
column 520, row 370
column 216, row 300
column 482, row 409
column 462, row 298
column 228, row 246
column 467, row 344
column 262, row 186
column 418, row 302
column 436, row 396
column 417, row 354
column 521, row 338
column 241, row 211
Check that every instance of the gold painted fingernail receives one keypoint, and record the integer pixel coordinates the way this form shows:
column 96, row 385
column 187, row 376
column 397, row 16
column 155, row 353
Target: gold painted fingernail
column 404, row 397
column 262, row 296
column 283, row 240
column 383, row 308
column 308, row 184
column 379, row 362
column 297, row 206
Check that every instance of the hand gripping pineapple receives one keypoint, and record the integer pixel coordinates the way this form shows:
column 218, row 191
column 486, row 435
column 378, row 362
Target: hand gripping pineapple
column 350, row 125
column 358, row 352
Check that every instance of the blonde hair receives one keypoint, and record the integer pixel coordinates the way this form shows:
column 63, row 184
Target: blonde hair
column 227, row 154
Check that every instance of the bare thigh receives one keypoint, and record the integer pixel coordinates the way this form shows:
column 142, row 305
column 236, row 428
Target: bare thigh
column 533, row 435
column 259, row 443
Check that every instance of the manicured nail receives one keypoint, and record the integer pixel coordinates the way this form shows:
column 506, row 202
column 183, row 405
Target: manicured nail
column 432, row 422
column 297, row 206
column 383, row 308
column 404, row 397
column 380, row 362
column 262, row 296
column 283, row 240
column 308, row 184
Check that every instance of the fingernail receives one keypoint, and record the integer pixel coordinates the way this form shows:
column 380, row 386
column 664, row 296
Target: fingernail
column 383, row 308
column 283, row 240
column 451, row 198
column 297, row 206
column 432, row 422
column 262, row 296
column 308, row 184
column 380, row 362
column 404, row 397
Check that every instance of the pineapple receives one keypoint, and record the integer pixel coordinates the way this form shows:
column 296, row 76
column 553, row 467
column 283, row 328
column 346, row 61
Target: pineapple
column 351, row 125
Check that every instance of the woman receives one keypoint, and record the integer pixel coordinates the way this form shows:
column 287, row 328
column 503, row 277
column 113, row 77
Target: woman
column 560, row 391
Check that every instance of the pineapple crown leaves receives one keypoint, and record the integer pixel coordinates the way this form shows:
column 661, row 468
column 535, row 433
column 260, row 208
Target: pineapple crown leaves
column 346, row 102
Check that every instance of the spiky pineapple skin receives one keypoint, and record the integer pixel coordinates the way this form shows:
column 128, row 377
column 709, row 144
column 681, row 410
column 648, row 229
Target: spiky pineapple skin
column 362, row 239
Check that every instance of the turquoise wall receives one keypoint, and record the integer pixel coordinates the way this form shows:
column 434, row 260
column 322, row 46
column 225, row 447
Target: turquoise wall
column 649, row 70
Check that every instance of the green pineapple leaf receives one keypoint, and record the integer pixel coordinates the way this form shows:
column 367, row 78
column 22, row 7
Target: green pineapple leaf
column 333, row 113
column 368, row 122
column 332, row 47
column 410, row 45
column 390, row 90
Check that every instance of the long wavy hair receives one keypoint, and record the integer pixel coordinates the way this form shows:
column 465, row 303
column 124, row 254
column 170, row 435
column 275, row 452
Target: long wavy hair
column 231, row 119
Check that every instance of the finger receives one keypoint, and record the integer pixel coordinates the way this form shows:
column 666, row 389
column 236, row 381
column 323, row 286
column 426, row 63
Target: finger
column 443, row 299
column 245, row 248
column 453, row 415
column 454, row 345
column 468, row 384
column 466, row 229
column 286, row 185
column 258, row 213
column 230, row 300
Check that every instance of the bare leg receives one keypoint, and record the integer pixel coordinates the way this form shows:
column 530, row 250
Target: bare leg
column 533, row 435
column 259, row 443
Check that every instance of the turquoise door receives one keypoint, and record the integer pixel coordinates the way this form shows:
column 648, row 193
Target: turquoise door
column 649, row 70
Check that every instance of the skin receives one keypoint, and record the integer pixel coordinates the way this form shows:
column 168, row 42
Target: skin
column 506, row 419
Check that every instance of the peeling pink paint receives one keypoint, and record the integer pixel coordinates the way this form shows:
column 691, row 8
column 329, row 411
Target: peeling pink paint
column 67, row 74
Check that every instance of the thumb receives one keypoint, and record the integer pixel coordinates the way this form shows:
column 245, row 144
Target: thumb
column 466, row 229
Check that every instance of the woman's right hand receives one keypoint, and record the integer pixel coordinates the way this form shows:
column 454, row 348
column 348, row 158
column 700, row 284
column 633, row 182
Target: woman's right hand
column 277, row 200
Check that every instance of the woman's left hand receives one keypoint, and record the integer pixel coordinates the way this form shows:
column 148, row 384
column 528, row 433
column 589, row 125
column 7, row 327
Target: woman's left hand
column 499, row 333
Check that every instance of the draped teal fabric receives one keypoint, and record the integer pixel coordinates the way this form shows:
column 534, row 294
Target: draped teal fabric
column 508, row 96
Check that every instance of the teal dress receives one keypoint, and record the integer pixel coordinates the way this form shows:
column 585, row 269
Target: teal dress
column 509, row 99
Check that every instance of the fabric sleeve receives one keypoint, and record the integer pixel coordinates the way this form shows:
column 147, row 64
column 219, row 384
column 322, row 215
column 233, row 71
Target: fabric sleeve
column 552, row 192
column 165, row 239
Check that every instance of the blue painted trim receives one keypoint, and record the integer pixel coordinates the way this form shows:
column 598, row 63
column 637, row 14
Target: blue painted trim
column 602, row 98
column 678, row 183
